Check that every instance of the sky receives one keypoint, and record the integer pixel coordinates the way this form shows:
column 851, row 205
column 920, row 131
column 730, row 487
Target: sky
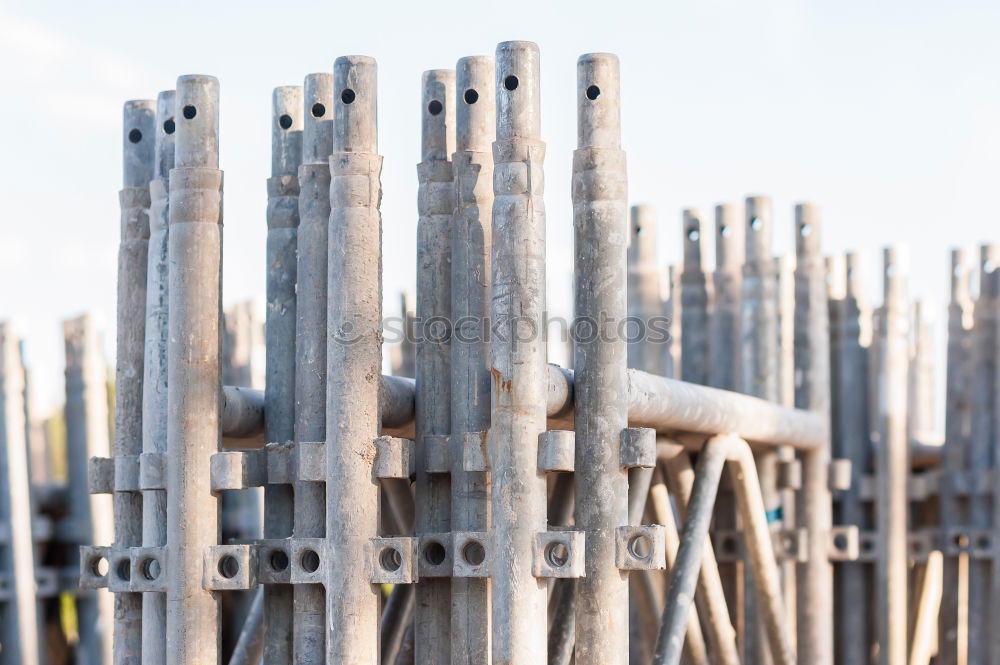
column 886, row 114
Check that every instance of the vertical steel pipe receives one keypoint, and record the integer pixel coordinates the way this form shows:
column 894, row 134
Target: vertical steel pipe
column 354, row 360
column 920, row 377
column 849, row 342
column 432, row 501
column 675, row 312
column 138, row 141
column 644, row 295
column 517, row 351
column 279, row 351
column 88, row 516
column 723, row 367
column 727, row 280
column 953, row 507
column 645, row 302
column 311, row 345
column 892, row 465
column 600, row 191
column 696, row 298
column 985, row 331
column 19, row 608
column 154, row 385
column 193, row 369
column 784, row 270
column 759, row 370
column 814, row 584
column 471, row 241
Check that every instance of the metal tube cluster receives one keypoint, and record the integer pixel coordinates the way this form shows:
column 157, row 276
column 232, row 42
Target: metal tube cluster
column 752, row 479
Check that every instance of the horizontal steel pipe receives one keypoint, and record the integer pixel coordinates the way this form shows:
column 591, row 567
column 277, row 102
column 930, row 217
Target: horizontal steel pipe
column 243, row 409
column 668, row 405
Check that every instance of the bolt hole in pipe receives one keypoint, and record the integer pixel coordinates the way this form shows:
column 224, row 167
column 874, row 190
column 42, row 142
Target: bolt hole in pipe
column 961, row 540
column 99, row 566
column 278, row 560
column 150, row 569
column 471, row 96
column 229, row 567
column 693, row 235
column 169, row 126
column 348, row 96
column 983, row 542
column 285, row 121
column 725, row 231
column 805, row 230
column 755, row 223
column 593, row 92
column 124, row 570
column 435, row 107
column 135, row 136
column 510, row 82
column 309, row 561
column 189, row 112
column 640, row 547
column 557, row 554
column 474, row 553
column 390, row 559
column 840, row 541
column 435, row 553
column 318, row 111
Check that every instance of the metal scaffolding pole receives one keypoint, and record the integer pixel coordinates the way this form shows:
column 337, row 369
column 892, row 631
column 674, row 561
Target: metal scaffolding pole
column 435, row 203
column 354, row 359
column 19, row 643
column 154, row 385
column 600, row 190
column 723, row 368
column 475, row 127
column 759, row 372
column 645, row 304
column 193, row 370
column 280, row 348
column 696, row 299
column 952, row 624
column 311, row 347
column 789, row 468
column 985, row 331
column 892, row 465
column 644, row 294
column 849, row 339
column 517, row 350
column 88, row 518
column 133, row 254
column 814, row 585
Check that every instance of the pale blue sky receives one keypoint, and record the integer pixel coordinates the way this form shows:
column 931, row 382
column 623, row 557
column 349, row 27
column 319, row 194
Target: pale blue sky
column 886, row 113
